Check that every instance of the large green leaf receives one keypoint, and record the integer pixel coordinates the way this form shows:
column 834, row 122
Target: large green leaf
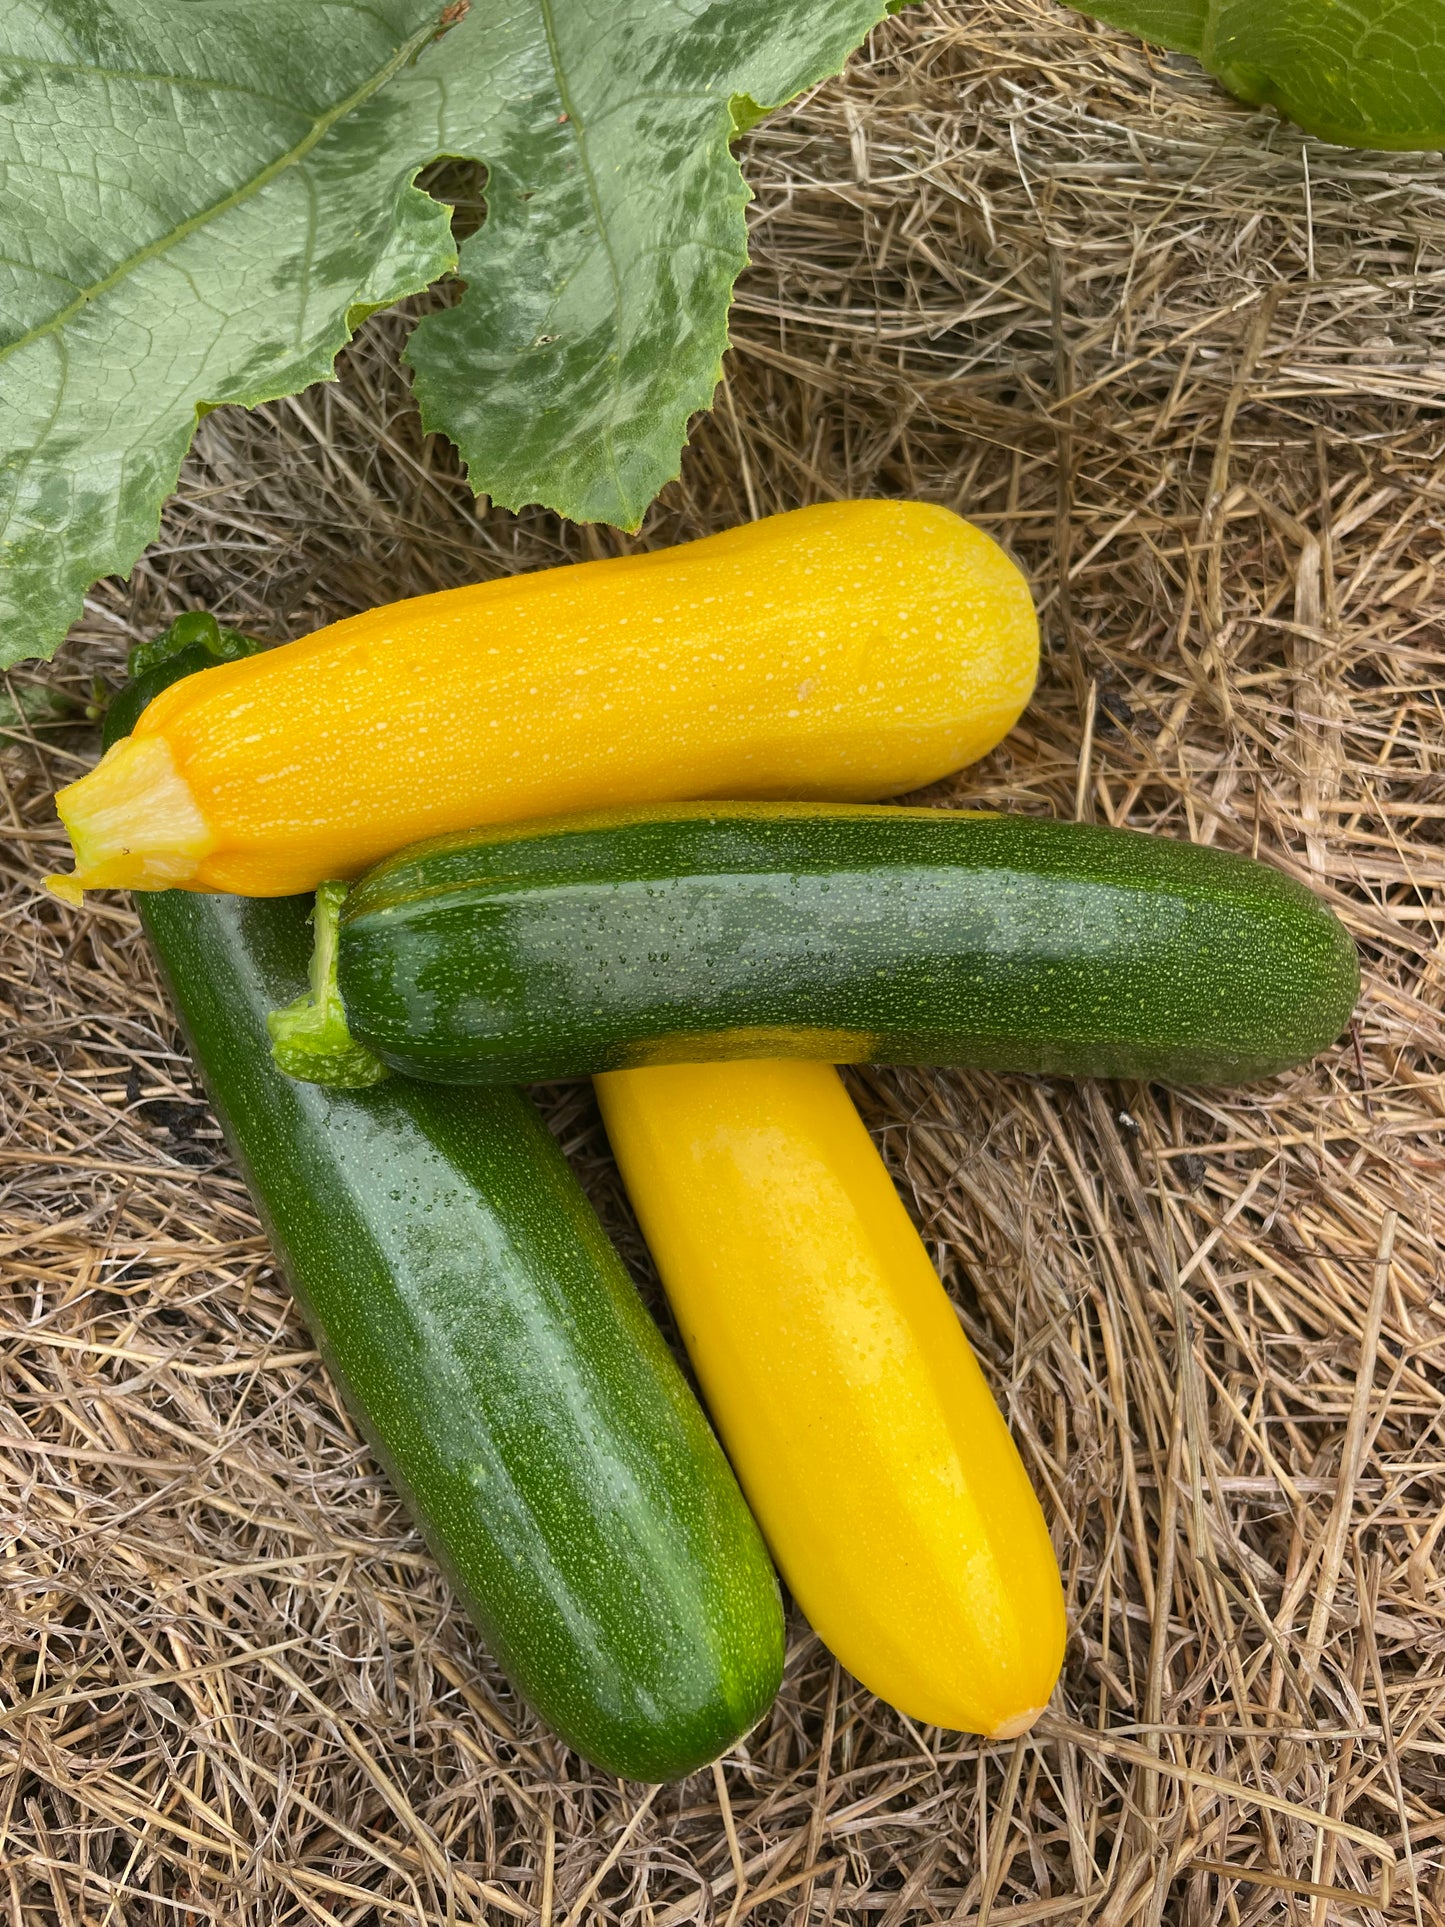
column 197, row 203
column 1178, row 24
column 200, row 198
column 594, row 319
column 1364, row 73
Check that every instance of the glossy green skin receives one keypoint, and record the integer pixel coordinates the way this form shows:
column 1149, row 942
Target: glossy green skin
column 695, row 932
column 500, row 1363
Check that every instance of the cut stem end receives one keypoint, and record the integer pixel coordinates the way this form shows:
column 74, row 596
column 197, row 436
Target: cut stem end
column 133, row 822
column 310, row 1039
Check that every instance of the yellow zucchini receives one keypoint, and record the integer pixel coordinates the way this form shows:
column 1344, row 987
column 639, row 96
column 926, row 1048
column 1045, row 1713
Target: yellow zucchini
column 852, row 1407
column 850, row 650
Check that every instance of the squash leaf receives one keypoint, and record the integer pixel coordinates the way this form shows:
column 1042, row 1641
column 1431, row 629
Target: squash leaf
column 594, row 320
column 1169, row 23
column 200, row 200
column 197, row 204
column 1361, row 73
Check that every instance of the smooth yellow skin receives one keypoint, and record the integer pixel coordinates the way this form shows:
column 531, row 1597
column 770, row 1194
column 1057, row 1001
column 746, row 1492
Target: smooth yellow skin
column 849, row 651
column 854, row 1412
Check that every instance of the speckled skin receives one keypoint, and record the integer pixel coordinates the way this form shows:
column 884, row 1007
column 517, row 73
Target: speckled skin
column 707, row 932
column 851, row 649
column 501, row 1364
column 497, row 1357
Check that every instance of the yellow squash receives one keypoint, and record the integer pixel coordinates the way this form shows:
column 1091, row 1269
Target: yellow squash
column 855, row 1414
column 852, row 650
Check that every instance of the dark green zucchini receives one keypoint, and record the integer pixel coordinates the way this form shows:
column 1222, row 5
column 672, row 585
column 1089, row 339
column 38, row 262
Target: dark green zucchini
column 849, row 933
column 499, row 1360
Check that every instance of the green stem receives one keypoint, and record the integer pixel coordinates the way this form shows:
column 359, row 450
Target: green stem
column 310, row 1039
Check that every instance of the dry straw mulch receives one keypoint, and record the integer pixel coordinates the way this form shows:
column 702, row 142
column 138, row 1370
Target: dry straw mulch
column 1189, row 366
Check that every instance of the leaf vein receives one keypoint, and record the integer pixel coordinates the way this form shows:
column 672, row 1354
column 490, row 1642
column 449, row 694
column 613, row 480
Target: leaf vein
column 141, row 76
column 579, row 134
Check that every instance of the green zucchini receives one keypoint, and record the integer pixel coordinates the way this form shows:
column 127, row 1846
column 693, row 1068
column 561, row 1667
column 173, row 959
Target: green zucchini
column 849, row 933
column 498, row 1359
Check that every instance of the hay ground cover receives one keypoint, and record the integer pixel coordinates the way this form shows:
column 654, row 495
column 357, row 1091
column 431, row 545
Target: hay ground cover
column 1189, row 366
